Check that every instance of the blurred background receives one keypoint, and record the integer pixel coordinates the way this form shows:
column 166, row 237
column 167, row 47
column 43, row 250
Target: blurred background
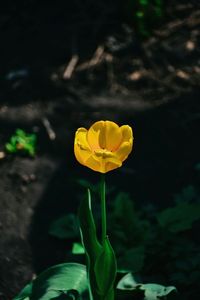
column 67, row 64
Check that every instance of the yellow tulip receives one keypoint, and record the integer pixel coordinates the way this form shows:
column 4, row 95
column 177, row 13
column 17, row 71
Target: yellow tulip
column 104, row 146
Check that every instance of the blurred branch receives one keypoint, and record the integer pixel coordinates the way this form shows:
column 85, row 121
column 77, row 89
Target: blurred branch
column 49, row 129
column 71, row 66
column 95, row 60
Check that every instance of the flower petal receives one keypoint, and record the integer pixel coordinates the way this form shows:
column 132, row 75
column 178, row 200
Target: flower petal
column 93, row 163
column 127, row 133
column 93, row 135
column 104, row 135
column 111, row 164
column 81, row 147
column 112, row 136
column 107, row 161
column 124, row 150
column 127, row 143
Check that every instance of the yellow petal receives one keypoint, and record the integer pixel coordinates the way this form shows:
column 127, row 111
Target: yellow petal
column 107, row 161
column 81, row 147
column 124, row 150
column 111, row 164
column 112, row 136
column 127, row 133
column 127, row 143
column 93, row 163
column 93, row 135
column 104, row 135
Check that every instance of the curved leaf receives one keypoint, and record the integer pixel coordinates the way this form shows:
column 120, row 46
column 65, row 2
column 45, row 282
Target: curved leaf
column 89, row 240
column 25, row 293
column 60, row 279
column 152, row 291
column 105, row 269
column 88, row 228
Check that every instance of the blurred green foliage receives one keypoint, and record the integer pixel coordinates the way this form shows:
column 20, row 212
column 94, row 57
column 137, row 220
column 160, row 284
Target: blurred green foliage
column 22, row 142
column 65, row 227
column 145, row 14
column 154, row 243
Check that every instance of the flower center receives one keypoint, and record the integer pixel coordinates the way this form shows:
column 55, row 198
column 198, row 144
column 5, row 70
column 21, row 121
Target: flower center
column 104, row 153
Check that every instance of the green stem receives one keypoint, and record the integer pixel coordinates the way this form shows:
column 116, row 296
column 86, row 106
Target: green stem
column 103, row 207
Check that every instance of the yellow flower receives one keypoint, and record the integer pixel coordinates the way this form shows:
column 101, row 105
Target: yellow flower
column 104, row 146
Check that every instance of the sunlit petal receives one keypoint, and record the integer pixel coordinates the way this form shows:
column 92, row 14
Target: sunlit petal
column 93, row 135
column 93, row 163
column 112, row 136
column 103, row 163
column 124, row 150
column 81, row 148
column 127, row 133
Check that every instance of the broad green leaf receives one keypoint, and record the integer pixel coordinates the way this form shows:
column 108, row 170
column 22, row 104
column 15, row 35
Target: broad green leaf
column 152, row 291
column 180, row 217
column 25, row 294
column 60, row 279
column 127, row 288
column 105, row 270
column 77, row 248
column 66, row 227
column 127, row 282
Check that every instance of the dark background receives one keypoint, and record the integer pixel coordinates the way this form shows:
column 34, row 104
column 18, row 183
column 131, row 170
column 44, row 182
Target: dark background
column 150, row 83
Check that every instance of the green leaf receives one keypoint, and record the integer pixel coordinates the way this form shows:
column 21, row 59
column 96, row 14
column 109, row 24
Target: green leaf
column 66, row 227
column 180, row 217
column 13, row 140
column 127, row 282
column 10, row 148
column 127, row 288
column 152, row 291
column 21, row 133
column 89, row 240
column 25, row 294
column 77, row 248
column 88, row 229
column 132, row 260
column 60, row 279
column 105, row 269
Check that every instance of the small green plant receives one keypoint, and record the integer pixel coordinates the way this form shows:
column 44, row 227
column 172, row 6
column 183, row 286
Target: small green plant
column 145, row 14
column 22, row 142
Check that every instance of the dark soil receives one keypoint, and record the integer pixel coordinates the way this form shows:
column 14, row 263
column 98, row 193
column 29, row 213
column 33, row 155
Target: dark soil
column 151, row 84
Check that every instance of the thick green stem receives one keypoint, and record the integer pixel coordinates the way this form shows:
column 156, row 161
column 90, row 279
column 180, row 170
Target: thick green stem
column 103, row 207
